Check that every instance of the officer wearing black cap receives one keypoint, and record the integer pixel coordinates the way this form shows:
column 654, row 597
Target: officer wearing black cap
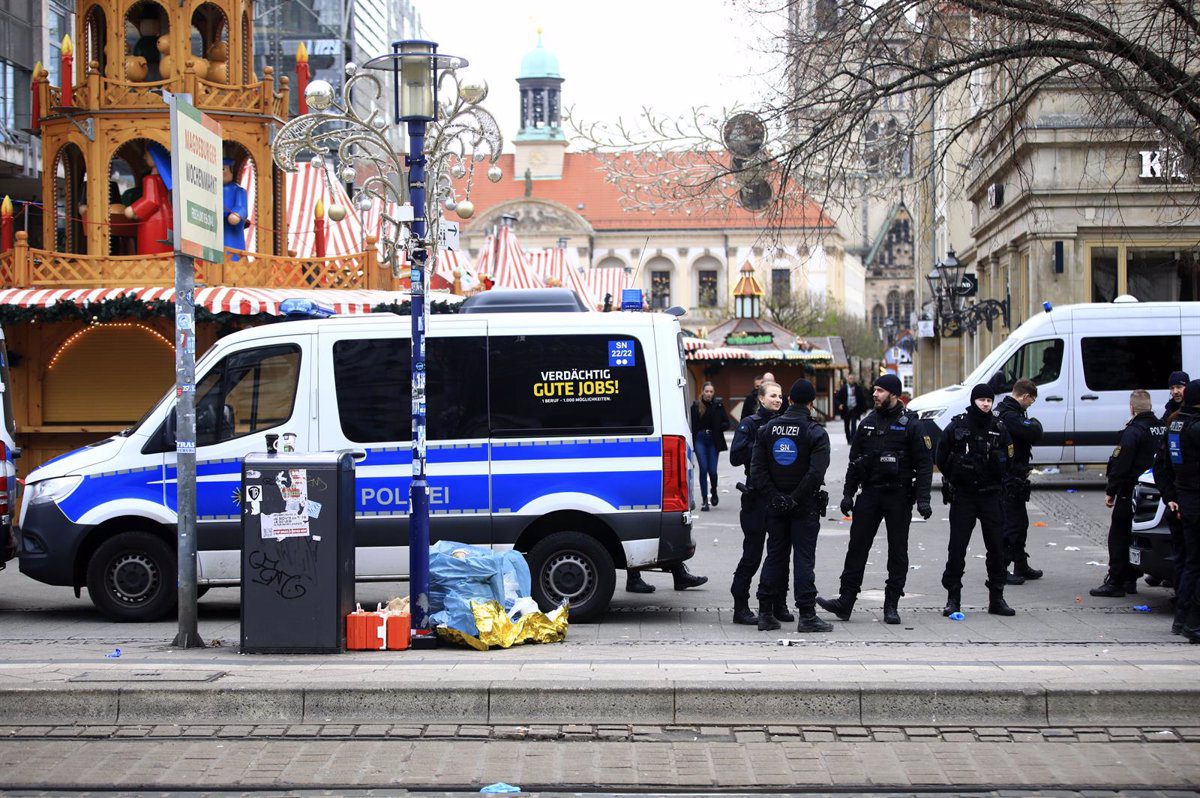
column 892, row 461
column 1177, row 474
column 973, row 456
column 753, row 516
column 1176, row 385
column 1013, row 412
column 1139, row 442
column 791, row 455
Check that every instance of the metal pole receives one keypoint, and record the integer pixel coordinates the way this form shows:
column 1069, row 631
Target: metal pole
column 418, row 506
column 188, row 635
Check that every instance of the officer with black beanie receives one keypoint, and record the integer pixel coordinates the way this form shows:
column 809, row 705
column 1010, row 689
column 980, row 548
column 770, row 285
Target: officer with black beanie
column 1176, row 385
column 791, row 455
column 892, row 461
column 973, row 456
column 1177, row 475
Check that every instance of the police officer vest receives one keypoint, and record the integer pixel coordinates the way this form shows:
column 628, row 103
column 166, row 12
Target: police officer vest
column 885, row 444
column 789, row 441
column 977, row 455
column 1181, row 446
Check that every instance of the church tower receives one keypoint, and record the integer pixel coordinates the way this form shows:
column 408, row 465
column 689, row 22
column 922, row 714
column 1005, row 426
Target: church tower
column 540, row 143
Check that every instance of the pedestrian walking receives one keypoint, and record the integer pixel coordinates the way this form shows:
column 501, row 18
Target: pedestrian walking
column 753, row 516
column 1176, row 384
column 1140, row 441
column 791, row 455
column 893, row 463
column 973, row 457
column 1025, row 432
column 850, row 402
column 1177, row 474
column 709, row 422
column 750, row 403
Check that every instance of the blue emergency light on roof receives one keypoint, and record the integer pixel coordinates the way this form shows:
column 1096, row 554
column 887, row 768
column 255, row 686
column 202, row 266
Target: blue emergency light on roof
column 1046, row 306
column 305, row 308
column 631, row 299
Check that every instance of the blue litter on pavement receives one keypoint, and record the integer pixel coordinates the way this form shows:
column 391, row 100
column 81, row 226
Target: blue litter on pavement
column 957, row 616
column 1071, row 490
column 116, row 652
column 500, row 787
column 1142, row 608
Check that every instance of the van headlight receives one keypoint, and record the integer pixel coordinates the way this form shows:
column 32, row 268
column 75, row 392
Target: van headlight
column 51, row 490
column 928, row 415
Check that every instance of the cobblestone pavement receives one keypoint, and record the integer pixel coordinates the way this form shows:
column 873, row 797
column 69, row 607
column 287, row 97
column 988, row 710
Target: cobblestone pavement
column 454, row 764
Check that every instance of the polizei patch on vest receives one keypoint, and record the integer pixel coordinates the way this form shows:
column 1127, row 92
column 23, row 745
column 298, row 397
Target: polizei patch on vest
column 784, row 452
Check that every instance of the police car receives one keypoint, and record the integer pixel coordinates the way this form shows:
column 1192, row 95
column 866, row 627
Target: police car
column 563, row 435
column 1151, row 551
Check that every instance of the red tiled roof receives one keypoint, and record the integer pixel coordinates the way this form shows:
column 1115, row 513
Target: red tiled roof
column 584, row 181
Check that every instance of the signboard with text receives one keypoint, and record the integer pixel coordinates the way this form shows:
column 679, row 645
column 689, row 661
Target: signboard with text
column 197, row 194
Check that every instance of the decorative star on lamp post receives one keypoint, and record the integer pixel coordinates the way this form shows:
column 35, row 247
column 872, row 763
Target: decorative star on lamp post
column 448, row 133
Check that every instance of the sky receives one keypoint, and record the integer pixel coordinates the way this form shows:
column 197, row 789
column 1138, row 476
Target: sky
column 616, row 56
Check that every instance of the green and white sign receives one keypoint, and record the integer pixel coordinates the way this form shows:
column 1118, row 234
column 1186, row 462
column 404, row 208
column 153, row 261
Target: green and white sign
column 197, row 191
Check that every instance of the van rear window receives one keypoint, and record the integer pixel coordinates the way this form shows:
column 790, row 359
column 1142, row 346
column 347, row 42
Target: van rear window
column 568, row 384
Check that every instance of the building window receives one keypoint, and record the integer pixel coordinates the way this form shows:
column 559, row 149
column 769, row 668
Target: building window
column 910, row 305
column 877, row 317
column 708, row 289
column 1161, row 275
column 781, row 285
column 894, row 308
column 1104, row 274
column 660, row 290
column 59, row 22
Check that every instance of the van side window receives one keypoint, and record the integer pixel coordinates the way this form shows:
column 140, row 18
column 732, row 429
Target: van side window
column 247, row 392
column 1040, row 361
column 373, row 383
column 568, row 384
column 1128, row 362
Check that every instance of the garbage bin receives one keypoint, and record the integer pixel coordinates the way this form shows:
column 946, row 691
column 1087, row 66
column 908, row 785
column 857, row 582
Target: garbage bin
column 297, row 552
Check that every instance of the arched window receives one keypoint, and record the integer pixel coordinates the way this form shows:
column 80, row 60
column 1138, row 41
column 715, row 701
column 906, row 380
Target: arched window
column 70, row 200
column 910, row 305
column 611, row 262
column 894, row 308
column 145, row 22
column 877, row 317
column 68, row 395
column 95, row 34
column 210, row 42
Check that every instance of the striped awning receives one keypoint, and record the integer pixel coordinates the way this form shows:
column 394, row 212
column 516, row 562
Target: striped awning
column 220, row 299
column 607, row 281
column 692, row 344
column 304, row 188
column 504, row 261
column 555, row 268
column 720, row 353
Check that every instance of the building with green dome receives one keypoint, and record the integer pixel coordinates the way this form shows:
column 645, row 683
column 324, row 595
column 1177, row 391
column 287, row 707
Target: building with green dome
column 540, row 83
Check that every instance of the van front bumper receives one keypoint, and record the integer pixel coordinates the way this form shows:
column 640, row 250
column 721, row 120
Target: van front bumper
column 47, row 543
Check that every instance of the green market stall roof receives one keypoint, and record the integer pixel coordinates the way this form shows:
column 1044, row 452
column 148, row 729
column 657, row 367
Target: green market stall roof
column 762, row 341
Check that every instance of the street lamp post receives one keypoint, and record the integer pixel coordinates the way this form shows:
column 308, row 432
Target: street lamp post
column 448, row 133
column 949, row 291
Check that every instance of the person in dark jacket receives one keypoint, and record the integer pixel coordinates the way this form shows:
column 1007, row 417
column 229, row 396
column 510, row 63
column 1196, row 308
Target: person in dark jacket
column 1177, row 475
column 1025, row 432
column 753, row 516
column 973, row 457
column 750, row 403
column 1176, row 384
column 1139, row 442
column 791, row 456
column 850, row 402
column 892, row 460
column 709, row 422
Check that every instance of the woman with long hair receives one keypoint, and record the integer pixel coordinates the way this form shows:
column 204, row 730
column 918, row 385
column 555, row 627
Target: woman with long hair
column 709, row 422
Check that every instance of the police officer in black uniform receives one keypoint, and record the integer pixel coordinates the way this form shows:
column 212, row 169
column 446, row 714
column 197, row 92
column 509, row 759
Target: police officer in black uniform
column 754, row 511
column 1176, row 385
column 1140, row 441
column 1177, row 474
column 973, row 456
column 791, row 455
column 893, row 463
column 1013, row 411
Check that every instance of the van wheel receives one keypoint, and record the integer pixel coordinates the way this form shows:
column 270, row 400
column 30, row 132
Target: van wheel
column 132, row 577
column 573, row 567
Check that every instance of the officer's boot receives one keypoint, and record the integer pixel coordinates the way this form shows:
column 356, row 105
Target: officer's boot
column 1191, row 624
column 1026, row 571
column 891, row 611
column 809, row 622
column 953, row 601
column 1181, row 613
column 841, row 606
column 742, row 614
column 766, row 615
column 782, row 614
column 1112, row 588
column 996, row 603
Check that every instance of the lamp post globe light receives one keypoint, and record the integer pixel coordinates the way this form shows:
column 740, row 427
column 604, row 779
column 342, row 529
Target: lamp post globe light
column 949, row 292
column 448, row 132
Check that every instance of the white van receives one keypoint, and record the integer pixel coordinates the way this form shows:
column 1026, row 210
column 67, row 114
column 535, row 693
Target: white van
column 562, row 435
column 1085, row 360
column 8, row 454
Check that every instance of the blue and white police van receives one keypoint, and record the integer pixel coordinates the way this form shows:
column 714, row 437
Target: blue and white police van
column 561, row 435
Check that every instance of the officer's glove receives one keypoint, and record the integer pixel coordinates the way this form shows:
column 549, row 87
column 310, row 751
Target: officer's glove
column 782, row 504
column 924, row 509
column 847, row 505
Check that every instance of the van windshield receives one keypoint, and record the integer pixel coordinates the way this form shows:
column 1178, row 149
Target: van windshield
column 991, row 364
column 10, row 423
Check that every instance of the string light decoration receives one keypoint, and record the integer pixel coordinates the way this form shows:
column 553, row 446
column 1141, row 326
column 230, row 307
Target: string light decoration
column 67, row 344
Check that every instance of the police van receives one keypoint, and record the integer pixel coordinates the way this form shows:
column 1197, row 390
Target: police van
column 8, row 454
column 1085, row 360
column 563, row 436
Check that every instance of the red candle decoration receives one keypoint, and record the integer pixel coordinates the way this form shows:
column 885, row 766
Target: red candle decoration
column 36, row 106
column 301, row 77
column 68, row 73
column 6, row 225
column 319, row 227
